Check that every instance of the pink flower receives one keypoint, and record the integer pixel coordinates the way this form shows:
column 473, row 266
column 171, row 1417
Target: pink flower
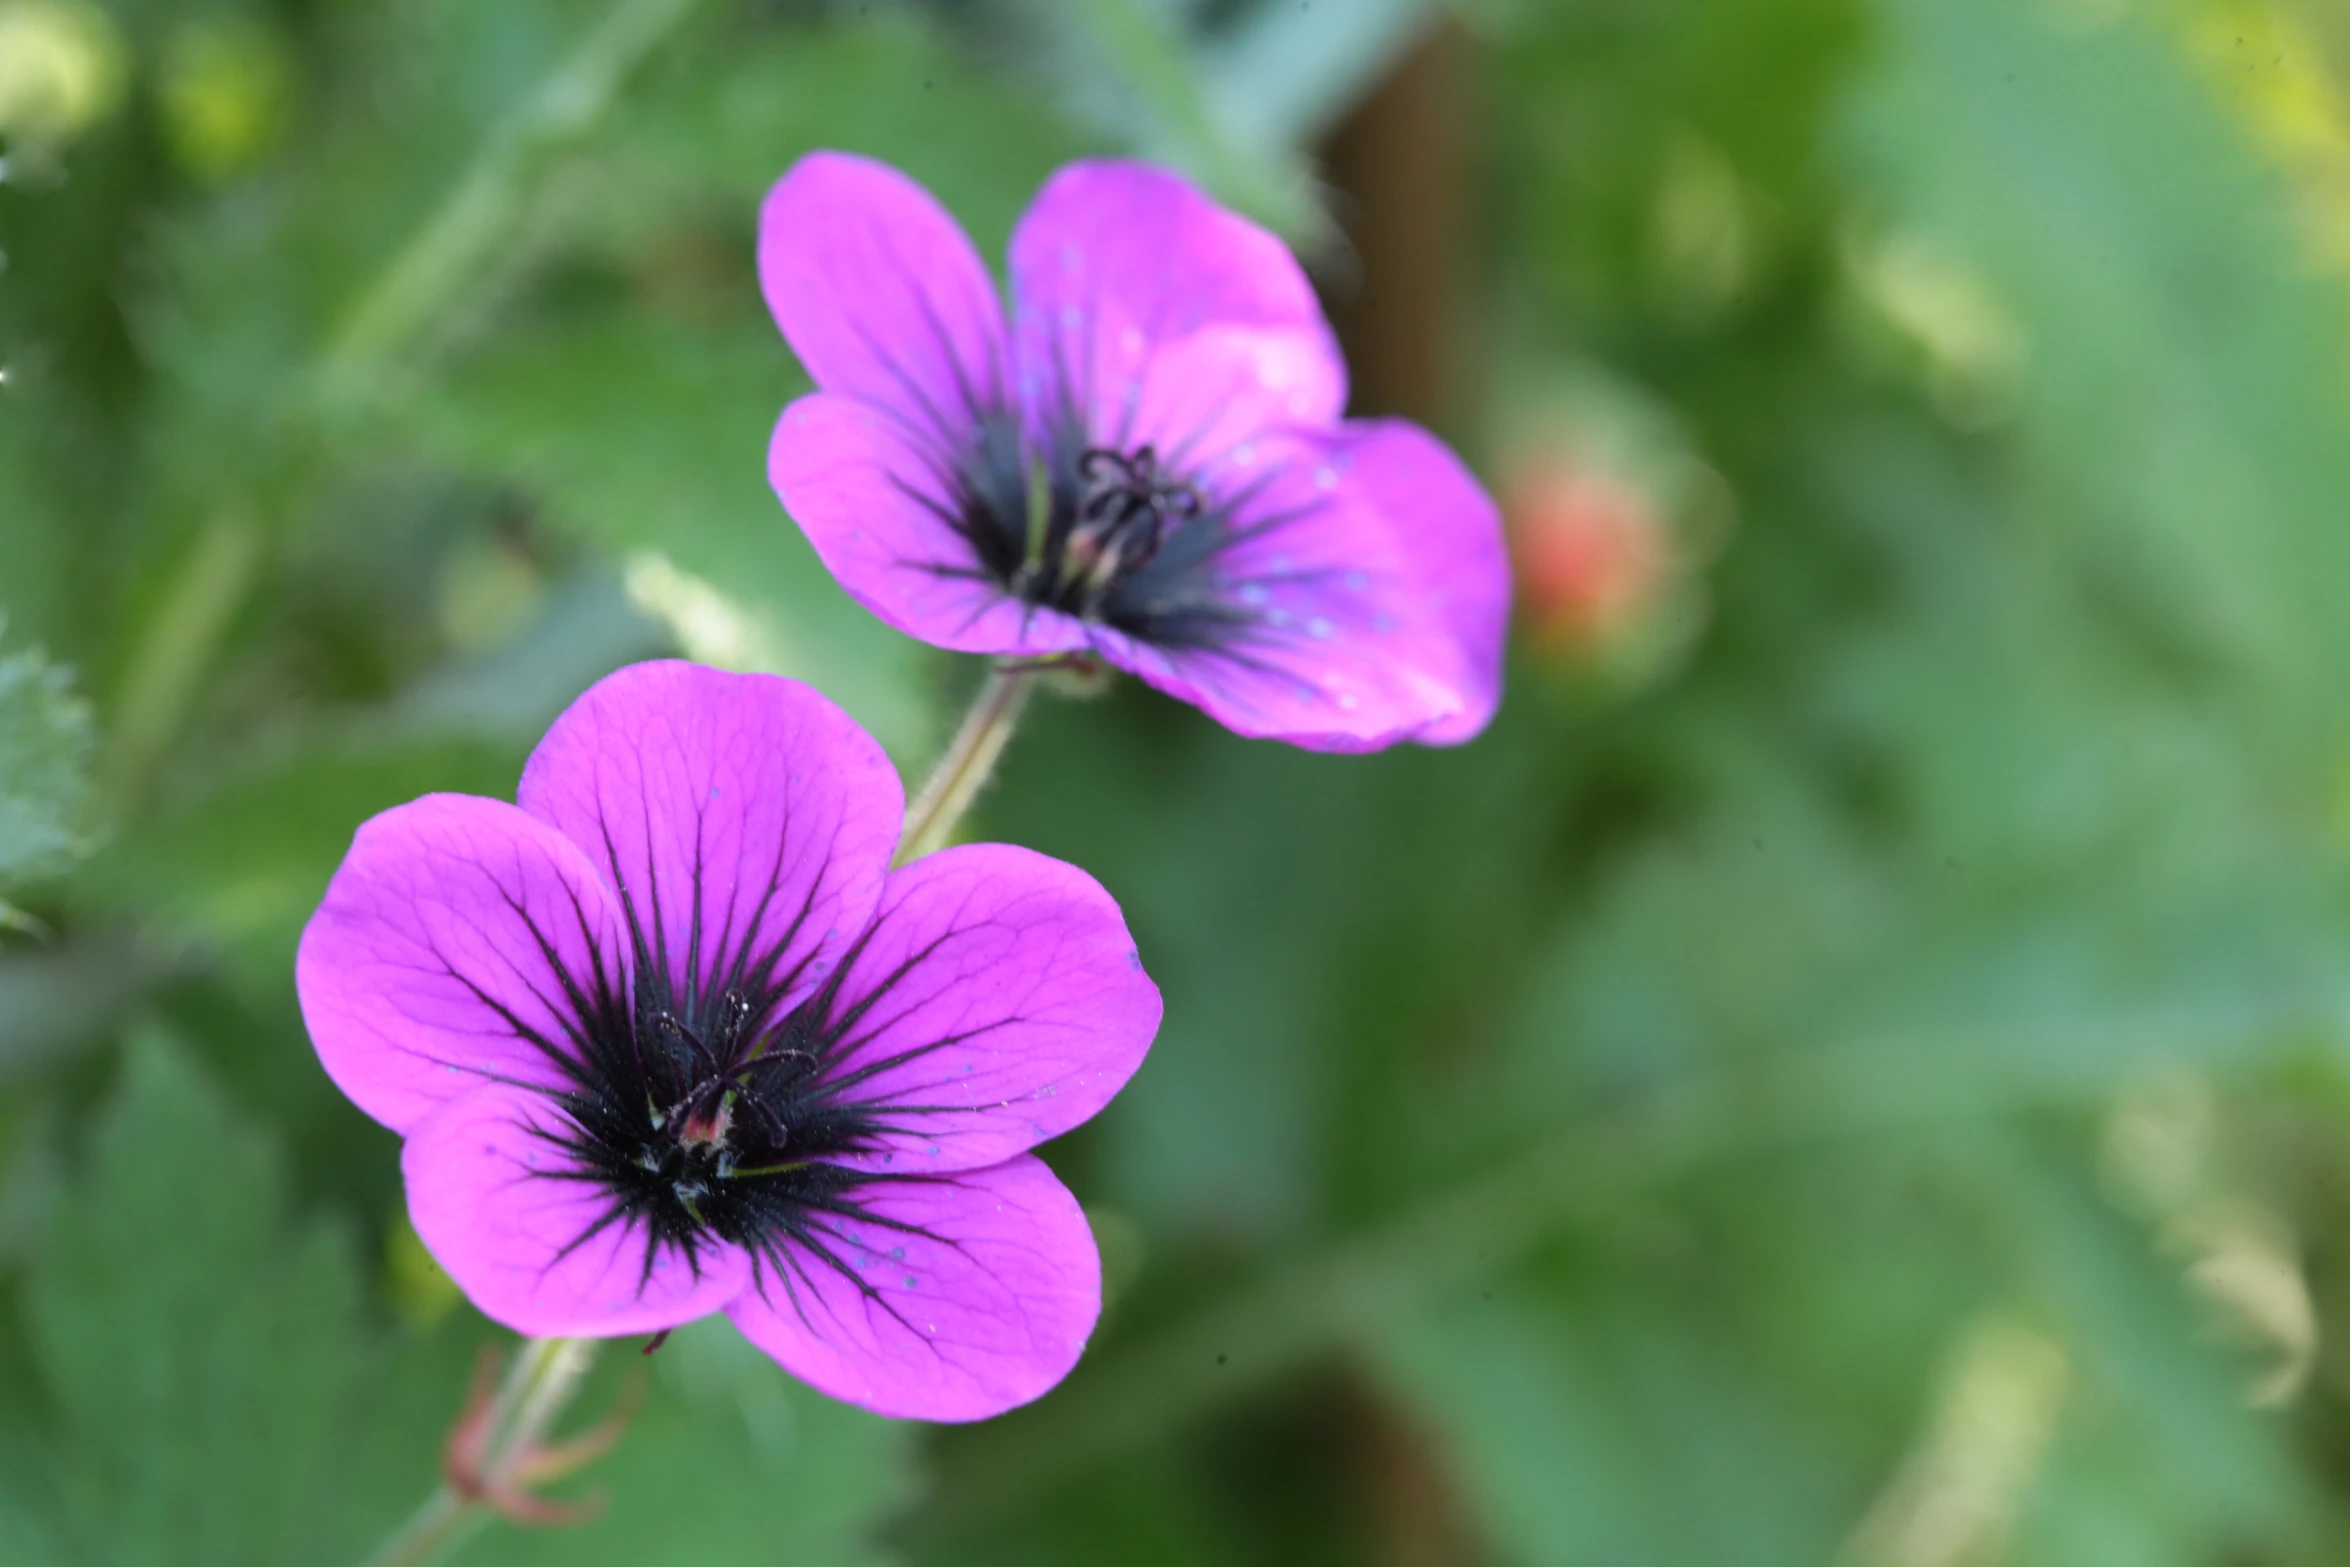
column 1148, row 465
column 669, row 1038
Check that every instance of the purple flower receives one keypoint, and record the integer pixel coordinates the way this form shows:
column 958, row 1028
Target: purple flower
column 669, row 1038
column 1148, row 466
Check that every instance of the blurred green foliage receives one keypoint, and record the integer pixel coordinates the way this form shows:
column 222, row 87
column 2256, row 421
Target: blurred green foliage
column 1866, row 1080
column 45, row 742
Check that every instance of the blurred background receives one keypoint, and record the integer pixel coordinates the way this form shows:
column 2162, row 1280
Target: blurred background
column 1854, row 1068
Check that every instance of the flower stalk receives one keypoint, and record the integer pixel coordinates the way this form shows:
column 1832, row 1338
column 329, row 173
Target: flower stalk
column 493, row 1452
column 969, row 760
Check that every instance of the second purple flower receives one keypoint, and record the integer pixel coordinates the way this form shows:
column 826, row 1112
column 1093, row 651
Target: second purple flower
column 1147, row 465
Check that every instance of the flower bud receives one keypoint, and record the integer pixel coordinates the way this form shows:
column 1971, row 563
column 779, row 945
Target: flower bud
column 1591, row 551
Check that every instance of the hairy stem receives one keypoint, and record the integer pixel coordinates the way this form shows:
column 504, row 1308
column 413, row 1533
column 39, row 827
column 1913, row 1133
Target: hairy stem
column 544, row 1374
column 430, row 1533
column 969, row 759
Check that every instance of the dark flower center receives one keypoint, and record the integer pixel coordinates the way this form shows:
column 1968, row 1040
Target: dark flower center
column 1113, row 536
column 710, row 1120
column 1123, row 515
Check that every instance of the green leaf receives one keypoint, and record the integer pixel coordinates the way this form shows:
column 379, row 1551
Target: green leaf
column 1610, row 1432
column 195, row 1354
column 46, row 736
column 218, row 1400
column 2182, row 416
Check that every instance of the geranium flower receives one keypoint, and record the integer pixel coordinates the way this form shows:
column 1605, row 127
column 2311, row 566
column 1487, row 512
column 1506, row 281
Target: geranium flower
column 1149, row 465
column 668, row 1038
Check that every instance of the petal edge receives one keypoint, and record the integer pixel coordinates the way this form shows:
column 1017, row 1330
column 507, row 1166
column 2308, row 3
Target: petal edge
column 953, row 1298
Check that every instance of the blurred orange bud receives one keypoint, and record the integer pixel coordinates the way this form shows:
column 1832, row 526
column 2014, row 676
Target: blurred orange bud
column 1591, row 551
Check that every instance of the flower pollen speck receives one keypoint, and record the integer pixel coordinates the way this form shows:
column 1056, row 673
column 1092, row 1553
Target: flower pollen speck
column 1146, row 463
column 667, row 1037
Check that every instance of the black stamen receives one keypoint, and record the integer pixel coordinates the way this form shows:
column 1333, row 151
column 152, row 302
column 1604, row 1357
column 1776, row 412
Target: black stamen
column 1113, row 536
column 688, row 1123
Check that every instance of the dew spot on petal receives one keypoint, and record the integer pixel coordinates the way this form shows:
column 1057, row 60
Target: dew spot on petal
column 897, row 1254
column 910, row 1285
column 1318, row 628
column 1325, row 478
column 1356, row 582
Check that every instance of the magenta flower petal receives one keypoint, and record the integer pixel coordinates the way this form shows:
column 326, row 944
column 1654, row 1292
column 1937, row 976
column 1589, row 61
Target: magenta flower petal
column 1115, row 261
column 880, row 293
column 1202, row 405
column 457, row 946
column 673, row 1033
column 996, row 1001
column 1143, row 487
column 1447, row 533
column 946, row 1297
column 744, row 819
column 534, row 1237
column 884, row 524
column 1354, row 642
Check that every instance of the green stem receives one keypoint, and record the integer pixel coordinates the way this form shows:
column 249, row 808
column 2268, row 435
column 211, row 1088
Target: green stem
column 170, row 659
column 431, row 1532
column 449, row 253
column 544, row 1375
column 448, row 256
column 969, row 760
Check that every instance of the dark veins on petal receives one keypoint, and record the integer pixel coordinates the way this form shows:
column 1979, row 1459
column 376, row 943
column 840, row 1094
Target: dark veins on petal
column 1114, row 535
column 705, row 1111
